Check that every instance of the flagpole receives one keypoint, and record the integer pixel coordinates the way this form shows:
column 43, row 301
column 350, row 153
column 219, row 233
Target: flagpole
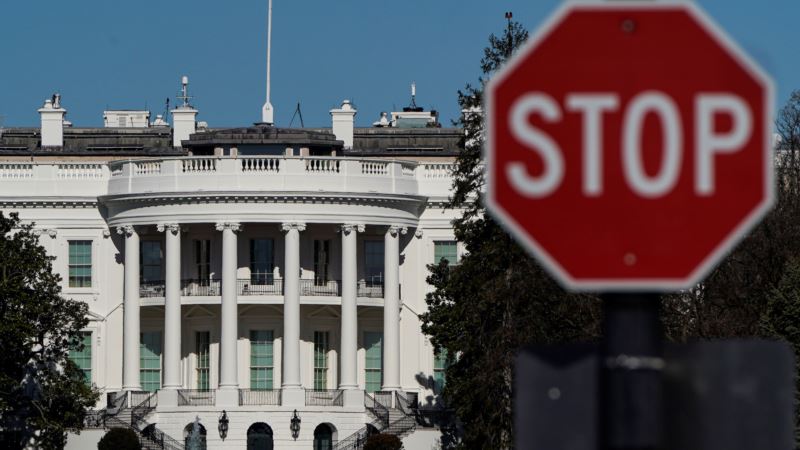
column 267, row 111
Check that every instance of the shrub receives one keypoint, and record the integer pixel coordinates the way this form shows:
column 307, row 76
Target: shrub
column 119, row 439
column 383, row 441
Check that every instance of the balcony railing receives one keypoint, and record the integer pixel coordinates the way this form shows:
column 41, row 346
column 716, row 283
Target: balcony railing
column 260, row 287
column 324, row 397
column 321, row 288
column 371, row 289
column 259, row 396
column 149, row 289
column 196, row 397
column 201, row 288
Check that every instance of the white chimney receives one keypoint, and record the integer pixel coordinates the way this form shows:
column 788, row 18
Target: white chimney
column 184, row 117
column 52, row 115
column 343, row 120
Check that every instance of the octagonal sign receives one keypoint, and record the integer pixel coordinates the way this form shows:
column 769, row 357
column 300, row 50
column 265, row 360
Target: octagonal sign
column 628, row 145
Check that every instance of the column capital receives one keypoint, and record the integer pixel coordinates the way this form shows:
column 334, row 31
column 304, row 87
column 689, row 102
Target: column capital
column 126, row 230
column 287, row 226
column 394, row 230
column 234, row 226
column 348, row 228
column 173, row 228
column 418, row 233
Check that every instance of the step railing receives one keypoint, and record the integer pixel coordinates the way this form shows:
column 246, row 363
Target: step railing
column 259, row 396
column 324, row 397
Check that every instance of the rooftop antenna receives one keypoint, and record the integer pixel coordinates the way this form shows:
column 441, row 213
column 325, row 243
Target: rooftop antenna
column 297, row 112
column 413, row 94
column 267, row 112
column 184, row 92
column 166, row 108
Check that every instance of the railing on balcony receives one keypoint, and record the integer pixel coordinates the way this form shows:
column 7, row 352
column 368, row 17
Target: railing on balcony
column 324, row 397
column 259, row 396
column 321, row 288
column 255, row 286
column 149, row 289
column 196, row 397
column 201, row 288
column 371, row 289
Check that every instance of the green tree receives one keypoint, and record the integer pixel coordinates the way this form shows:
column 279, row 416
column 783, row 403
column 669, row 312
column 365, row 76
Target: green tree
column 119, row 439
column 497, row 299
column 42, row 393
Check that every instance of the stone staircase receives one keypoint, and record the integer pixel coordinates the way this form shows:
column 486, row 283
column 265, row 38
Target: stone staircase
column 393, row 415
column 129, row 410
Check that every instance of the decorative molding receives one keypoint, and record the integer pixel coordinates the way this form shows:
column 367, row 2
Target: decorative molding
column 37, row 232
column 126, row 230
column 418, row 233
column 348, row 228
column 395, row 229
column 173, row 228
column 106, row 233
column 287, row 226
column 51, row 232
column 233, row 226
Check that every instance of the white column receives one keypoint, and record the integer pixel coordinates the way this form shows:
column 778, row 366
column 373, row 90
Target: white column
column 349, row 340
column 391, row 308
column 292, row 394
column 130, row 308
column 228, row 374
column 172, row 306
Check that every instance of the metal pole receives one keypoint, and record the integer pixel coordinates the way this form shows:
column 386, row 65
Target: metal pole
column 632, row 362
column 269, row 47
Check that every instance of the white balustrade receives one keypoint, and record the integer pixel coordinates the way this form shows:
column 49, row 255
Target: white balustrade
column 322, row 165
column 200, row 165
column 374, row 168
column 408, row 169
column 261, row 165
column 146, row 168
column 16, row 171
column 437, row 171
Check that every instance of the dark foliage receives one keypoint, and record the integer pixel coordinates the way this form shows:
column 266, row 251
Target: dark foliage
column 497, row 299
column 119, row 439
column 383, row 441
column 42, row 393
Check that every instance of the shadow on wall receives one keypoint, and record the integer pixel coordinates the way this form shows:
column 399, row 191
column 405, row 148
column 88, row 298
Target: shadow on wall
column 432, row 411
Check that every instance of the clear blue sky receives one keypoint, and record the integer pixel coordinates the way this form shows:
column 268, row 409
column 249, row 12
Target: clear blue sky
column 127, row 55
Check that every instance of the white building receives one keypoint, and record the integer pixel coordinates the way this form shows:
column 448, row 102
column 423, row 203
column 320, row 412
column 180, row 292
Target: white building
column 263, row 272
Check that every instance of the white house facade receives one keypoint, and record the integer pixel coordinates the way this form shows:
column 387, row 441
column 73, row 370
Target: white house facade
column 269, row 279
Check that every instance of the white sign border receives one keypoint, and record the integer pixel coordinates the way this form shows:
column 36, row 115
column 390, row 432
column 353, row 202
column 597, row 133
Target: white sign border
column 734, row 236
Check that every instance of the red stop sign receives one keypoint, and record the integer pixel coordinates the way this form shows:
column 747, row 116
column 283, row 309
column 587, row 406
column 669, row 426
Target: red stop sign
column 629, row 145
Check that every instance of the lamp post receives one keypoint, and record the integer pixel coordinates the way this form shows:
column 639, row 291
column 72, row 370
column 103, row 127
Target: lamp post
column 223, row 425
column 295, row 425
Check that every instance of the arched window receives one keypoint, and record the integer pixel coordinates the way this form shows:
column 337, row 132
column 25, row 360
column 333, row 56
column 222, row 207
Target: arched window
column 259, row 437
column 194, row 436
column 323, row 437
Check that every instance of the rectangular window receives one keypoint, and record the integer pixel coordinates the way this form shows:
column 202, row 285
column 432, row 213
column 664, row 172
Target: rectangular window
column 151, row 257
column 322, row 250
column 150, row 360
column 202, row 258
column 445, row 250
column 373, row 263
column 261, row 351
column 261, row 261
column 83, row 357
column 321, row 348
column 80, row 263
column 440, row 362
column 203, row 342
column 374, row 362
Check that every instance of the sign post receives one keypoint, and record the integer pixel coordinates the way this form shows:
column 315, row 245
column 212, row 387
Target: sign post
column 628, row 149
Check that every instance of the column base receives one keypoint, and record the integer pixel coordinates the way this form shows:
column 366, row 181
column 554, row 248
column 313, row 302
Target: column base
column 227, row 396
column 167, row 397
column 293, row 396
column 353, row 398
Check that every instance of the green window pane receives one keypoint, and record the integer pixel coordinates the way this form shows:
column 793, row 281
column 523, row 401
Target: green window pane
column 202, row 344
column 261, row 359
column 445, row 250
column 150, row 360
column 80, row 263
column 321, row 348
column 440, row 362
column 83, row 357
column 373, row 368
